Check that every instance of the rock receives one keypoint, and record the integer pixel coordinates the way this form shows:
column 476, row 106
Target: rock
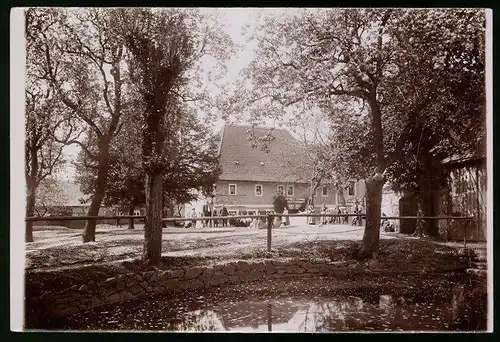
column 137, row 289
column 255, row 275
column 243, row 266
column 139, row 277
column 113, row 299
column 158, row 289
column 164, row 276
column 219, row 278
column 270, row 269
column 148, row 275
column 196, row 284
column 144, row 284
column 299, row 270
column 126, row 295
column 131, row 281
column 193, row 272
column 259, row 266
column 179, row 273
column 234, row 279
column 74, row 288
column 230, row 270
column 149, row 289
column 121, row 285
column 172, row 284
column 244, row 276
column 83, row 288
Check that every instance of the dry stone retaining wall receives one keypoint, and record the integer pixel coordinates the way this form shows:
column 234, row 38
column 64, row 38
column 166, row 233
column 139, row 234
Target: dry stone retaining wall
column 135, row 285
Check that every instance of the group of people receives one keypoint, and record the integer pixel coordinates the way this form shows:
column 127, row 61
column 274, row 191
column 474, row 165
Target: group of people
column 341, row 216
column 208, row 211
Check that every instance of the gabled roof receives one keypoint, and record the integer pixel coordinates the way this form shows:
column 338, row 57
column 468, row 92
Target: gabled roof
column 242, row 162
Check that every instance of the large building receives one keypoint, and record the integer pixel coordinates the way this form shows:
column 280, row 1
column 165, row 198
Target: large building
column 252, row 176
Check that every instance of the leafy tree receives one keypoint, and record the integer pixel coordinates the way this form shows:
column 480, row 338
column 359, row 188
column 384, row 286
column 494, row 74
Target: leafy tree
column 164, row 47
column 377, row 73
column 193, row 164
column 50, row 198
column 47, row 129
column 82, row 59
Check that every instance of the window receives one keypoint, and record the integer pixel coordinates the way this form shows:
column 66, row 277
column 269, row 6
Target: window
column 281, row 189
column 137, row 213
column 251, row 212
column 351, row 189
column 232, row 189
column 232, row 212
column 324, row 191
column 289, row 190
column 258, row 190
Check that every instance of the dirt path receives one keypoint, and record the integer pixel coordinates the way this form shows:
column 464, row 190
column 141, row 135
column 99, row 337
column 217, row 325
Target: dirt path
column 63, row 248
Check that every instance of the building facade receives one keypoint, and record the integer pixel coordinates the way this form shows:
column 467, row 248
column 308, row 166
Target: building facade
column 253, row 175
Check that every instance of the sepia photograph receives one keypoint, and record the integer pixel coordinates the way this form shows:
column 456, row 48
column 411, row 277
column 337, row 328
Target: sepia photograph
column 245, row 169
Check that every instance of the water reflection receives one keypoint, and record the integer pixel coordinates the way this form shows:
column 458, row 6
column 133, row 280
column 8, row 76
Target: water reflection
column 462, row 309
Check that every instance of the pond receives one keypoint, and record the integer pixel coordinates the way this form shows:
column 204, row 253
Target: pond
column 462, row 307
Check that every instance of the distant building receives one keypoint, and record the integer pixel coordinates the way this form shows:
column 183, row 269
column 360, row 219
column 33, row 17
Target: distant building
column 251, row 177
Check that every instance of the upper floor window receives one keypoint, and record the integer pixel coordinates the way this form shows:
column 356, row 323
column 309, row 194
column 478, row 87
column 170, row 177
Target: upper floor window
column 324, row 191
column 289, row 190
column 232, row 189
column 258, row 190
column 281, row 189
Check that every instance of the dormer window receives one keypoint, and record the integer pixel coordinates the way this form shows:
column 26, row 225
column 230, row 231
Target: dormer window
column 236, row 162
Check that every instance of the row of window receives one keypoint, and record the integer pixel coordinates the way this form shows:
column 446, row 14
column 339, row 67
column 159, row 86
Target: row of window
column 259, row 190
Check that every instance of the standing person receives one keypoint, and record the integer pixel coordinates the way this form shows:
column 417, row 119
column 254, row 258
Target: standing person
column 216, row 221
column 323, row 218
column 193, row 215
column 287, row 219
column 346, row 218
column 279, row 204
column 224, row 213
column 338, row 219
column 207, row 212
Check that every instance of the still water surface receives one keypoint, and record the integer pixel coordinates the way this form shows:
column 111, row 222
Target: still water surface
column 458, row 309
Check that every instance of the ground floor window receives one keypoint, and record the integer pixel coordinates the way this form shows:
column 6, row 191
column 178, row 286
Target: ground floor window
column 290, row 190
column 258, row 190
column 232, row 212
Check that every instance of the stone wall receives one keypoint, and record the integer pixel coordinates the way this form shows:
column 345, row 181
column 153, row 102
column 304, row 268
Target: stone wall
column 135, row 285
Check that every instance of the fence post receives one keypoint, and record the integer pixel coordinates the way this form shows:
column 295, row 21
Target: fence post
column 269, row 230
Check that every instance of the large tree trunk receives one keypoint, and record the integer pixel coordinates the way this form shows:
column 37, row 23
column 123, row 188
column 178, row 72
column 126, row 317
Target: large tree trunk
column 30, row 209
column 131, row 220
column 100, row 190
column 426, row 203
column 371, row 235
column 153, row 223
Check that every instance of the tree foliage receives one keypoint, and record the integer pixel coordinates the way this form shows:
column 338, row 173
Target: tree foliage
column 380, row 75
